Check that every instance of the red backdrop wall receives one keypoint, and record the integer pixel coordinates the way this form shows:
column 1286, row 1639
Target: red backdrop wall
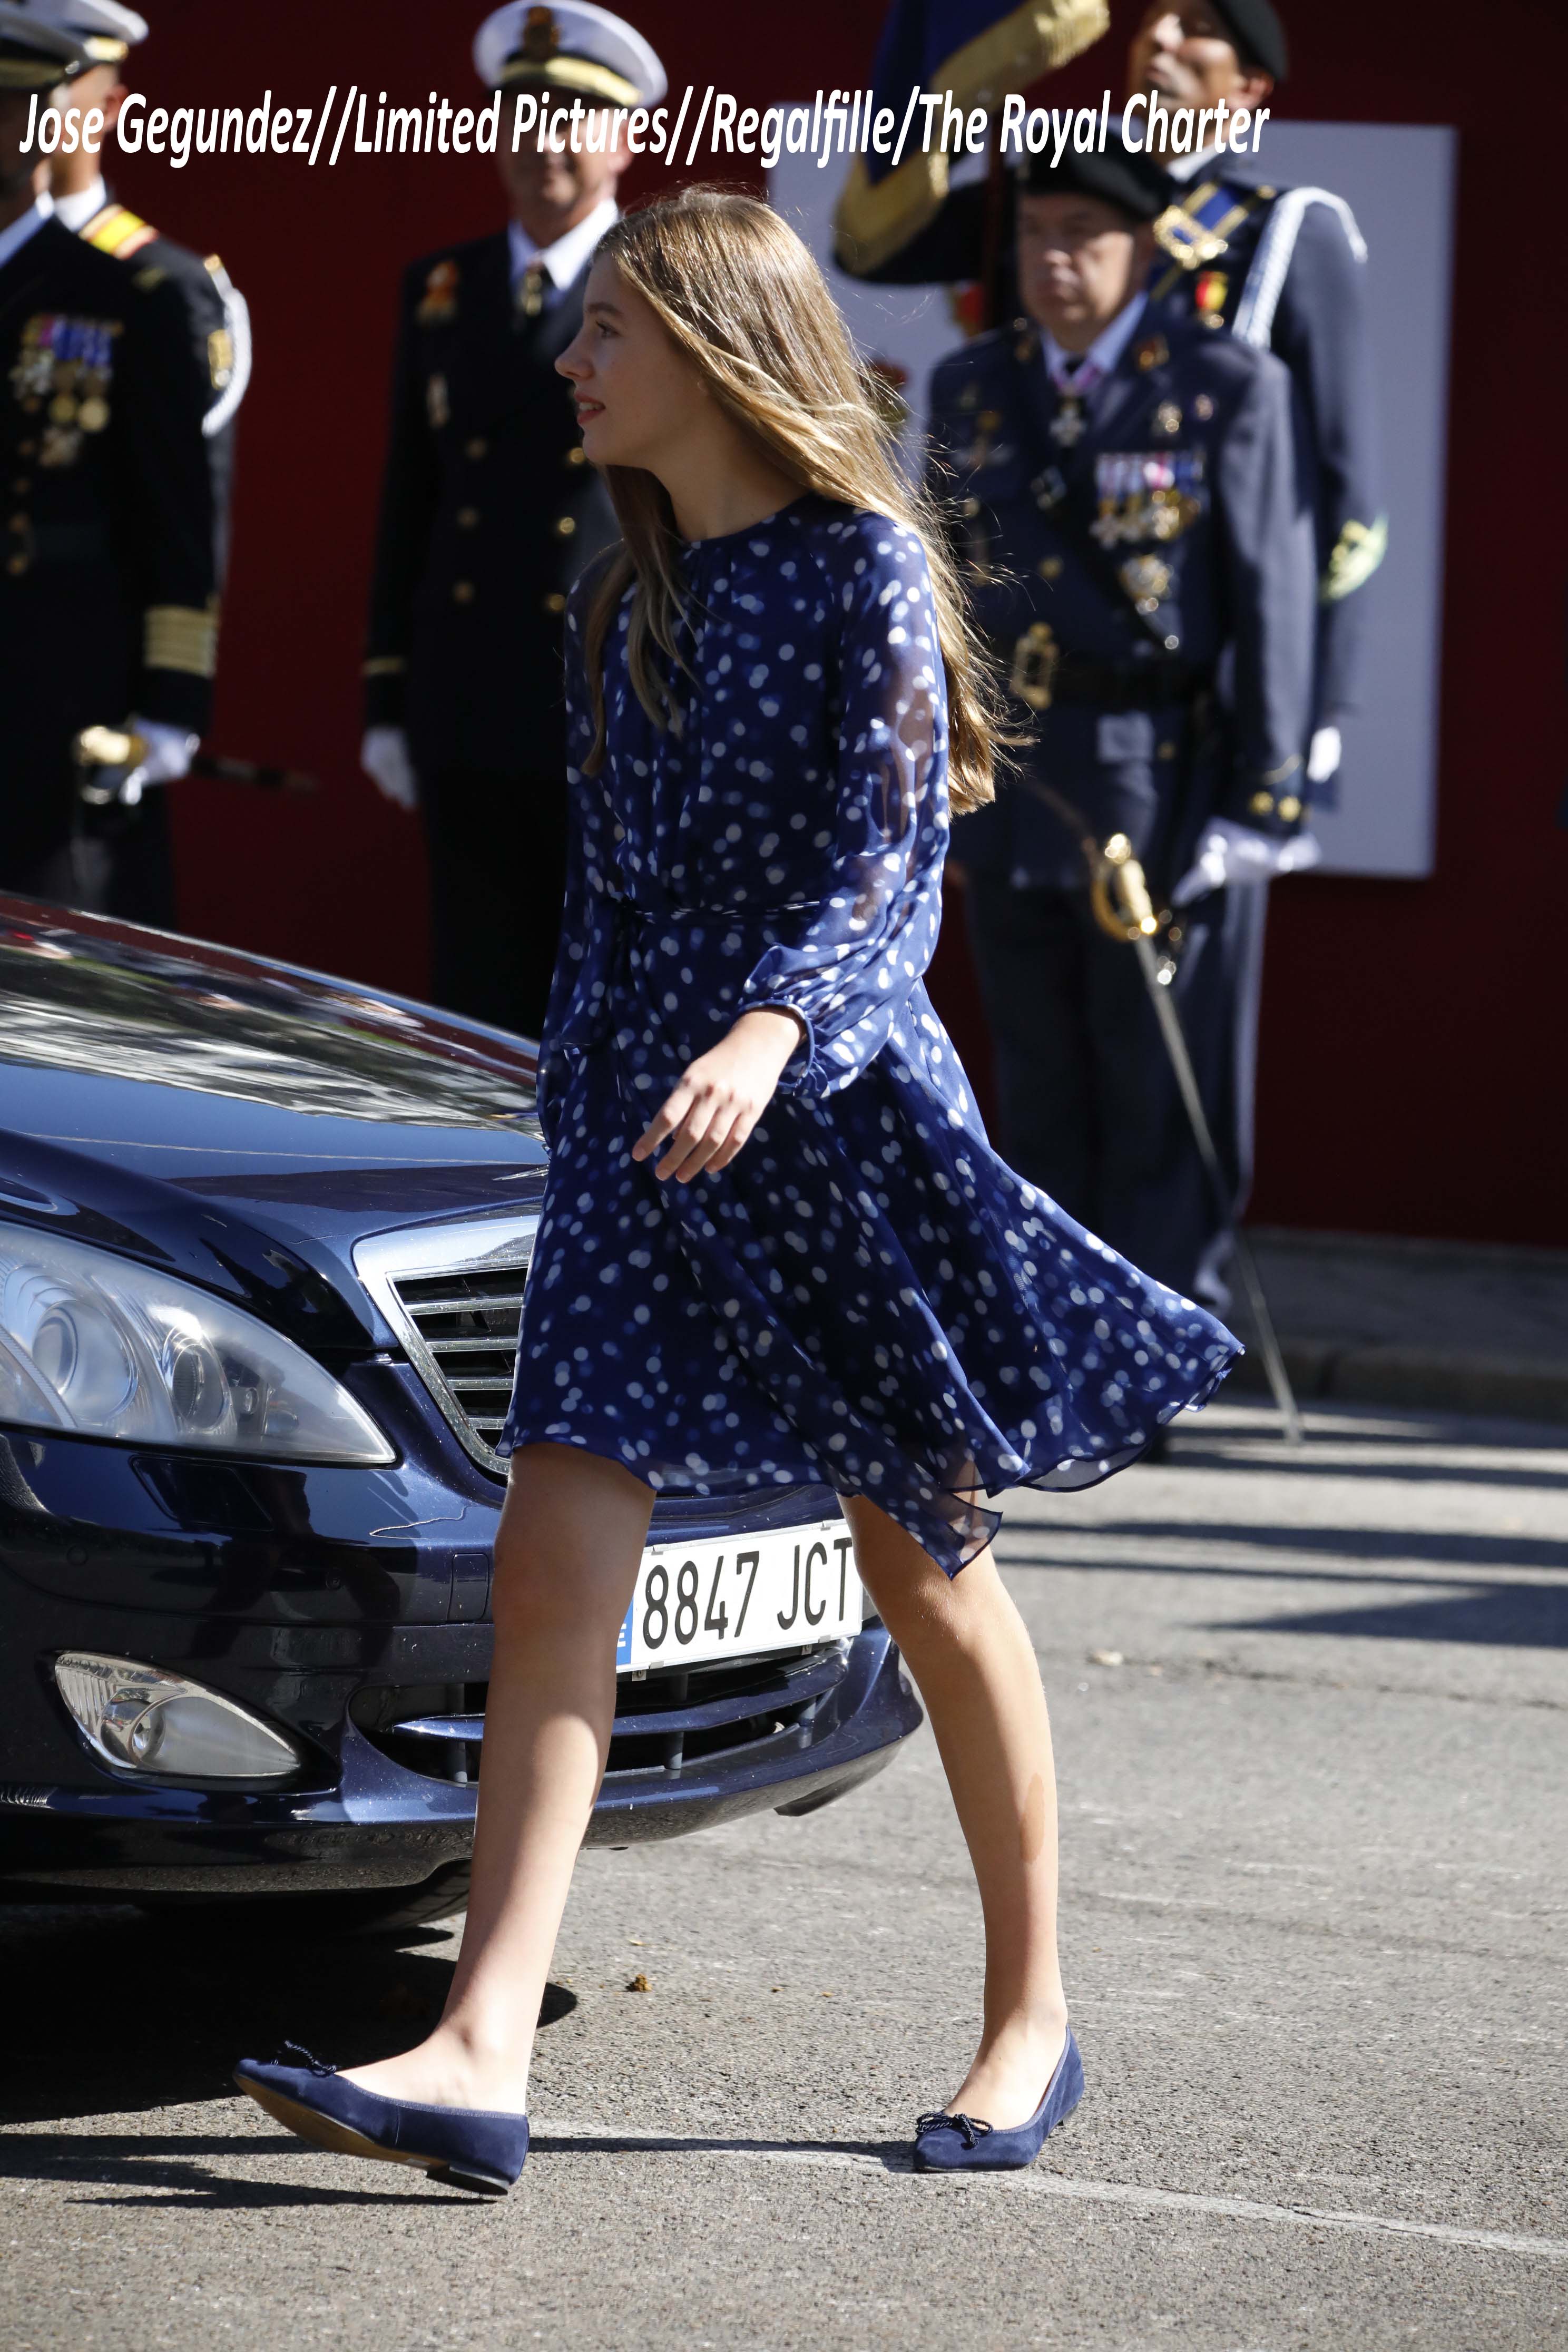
column 1413, row 1031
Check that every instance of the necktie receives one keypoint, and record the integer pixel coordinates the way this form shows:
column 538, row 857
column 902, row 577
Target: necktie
column 533, row 288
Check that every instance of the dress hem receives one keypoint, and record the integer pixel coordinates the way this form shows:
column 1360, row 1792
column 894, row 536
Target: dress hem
column 737, row 1484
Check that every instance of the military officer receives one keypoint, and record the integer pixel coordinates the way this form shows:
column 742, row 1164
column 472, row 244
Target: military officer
column 1285, row 269
column 489, row 513
column 219, row 320
column 108, row 610
column 1128, row 499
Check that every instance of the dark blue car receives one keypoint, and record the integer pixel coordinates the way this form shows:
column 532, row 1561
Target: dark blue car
column 263, row 1243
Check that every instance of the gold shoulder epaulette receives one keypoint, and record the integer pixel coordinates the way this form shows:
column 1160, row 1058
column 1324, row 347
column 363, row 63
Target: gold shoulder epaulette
column 115, row 230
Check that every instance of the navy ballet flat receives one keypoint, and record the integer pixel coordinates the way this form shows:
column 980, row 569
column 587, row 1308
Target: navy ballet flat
column 945, row 2143
column 465, row 2148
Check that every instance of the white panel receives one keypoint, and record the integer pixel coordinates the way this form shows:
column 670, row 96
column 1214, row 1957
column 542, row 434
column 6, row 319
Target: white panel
column 1399, row 181
column 910, row 325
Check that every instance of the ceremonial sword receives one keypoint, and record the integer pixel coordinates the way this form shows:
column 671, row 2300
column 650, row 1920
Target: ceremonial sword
column 101, row 751
column 1118, row 898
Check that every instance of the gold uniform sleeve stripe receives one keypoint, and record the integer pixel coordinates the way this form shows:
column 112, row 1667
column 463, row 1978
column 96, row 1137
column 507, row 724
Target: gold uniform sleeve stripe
column 385, row 665
column 179, row 638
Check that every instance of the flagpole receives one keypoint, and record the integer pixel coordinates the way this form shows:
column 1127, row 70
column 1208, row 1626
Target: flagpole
column 992, row 255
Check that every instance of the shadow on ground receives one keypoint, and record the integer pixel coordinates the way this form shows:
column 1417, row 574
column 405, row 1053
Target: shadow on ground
column 1184, row 1455
column 1352, row 1552
column 174, row 2169
column 115, row 2011
column 1499, row 1616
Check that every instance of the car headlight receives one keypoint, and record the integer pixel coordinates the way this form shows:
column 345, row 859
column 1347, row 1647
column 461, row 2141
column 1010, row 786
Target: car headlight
column 93, row 1343
column 146, row 1721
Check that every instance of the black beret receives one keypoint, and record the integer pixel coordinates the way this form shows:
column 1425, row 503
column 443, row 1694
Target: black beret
column 1134, row 183
column 1257, row 33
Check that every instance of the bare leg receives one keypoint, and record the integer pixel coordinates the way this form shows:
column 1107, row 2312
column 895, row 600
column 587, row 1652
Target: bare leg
column 965, row 1644
column 567, row 1553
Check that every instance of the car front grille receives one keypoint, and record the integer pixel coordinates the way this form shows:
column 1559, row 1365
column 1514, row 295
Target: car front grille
column 453, row 1295
column 468, row 1323
column 665, row 1721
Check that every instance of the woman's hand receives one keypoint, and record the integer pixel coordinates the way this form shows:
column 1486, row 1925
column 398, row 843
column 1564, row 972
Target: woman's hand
column 720, row 1099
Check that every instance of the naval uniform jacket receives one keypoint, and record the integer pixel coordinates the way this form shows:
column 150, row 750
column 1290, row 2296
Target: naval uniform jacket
column 489, row 513
column 218, row 322
column 1142, row 561
column 107, row 596
column 1285, row 270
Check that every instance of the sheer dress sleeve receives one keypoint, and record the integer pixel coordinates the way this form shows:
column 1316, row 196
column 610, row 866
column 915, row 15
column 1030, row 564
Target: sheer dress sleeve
column 871, row 934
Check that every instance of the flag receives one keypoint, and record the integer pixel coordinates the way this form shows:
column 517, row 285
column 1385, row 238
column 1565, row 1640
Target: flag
column 979, row 51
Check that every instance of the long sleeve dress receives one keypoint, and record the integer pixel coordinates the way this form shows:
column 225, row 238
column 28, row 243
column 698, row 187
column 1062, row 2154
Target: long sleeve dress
column 867, row 1295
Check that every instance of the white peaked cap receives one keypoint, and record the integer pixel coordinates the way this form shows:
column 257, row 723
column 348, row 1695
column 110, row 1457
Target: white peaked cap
column 105, row 29
column 34, row 55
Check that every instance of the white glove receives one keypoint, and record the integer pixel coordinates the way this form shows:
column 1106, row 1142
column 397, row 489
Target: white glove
column 169, row 752
column 1235, row 853
column 1323, row 755
column 383, row 756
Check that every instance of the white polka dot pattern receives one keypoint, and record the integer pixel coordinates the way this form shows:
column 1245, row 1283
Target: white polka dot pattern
column 867, row 1295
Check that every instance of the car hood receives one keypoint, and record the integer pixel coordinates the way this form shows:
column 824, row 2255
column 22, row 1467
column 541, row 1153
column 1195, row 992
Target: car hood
column 242, row 1122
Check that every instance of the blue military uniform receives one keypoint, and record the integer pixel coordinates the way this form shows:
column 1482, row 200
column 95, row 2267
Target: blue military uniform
column 1141, row 558
column 1285, row 270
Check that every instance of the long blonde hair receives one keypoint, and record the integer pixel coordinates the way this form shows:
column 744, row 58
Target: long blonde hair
column 742, row 300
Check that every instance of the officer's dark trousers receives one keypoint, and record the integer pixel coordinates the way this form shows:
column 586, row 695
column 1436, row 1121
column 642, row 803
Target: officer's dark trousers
column 116, row 861
column 1089, row 1103
column 497, row 848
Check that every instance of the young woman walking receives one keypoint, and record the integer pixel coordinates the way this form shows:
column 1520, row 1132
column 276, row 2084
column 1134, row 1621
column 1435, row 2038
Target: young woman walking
column 775, row 1246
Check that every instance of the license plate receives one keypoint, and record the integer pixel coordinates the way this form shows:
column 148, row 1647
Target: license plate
column 777, row 1590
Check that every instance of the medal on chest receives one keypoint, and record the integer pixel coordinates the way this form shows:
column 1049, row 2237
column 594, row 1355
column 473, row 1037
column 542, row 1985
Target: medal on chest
column 65, row 367
column 438, row 303
column 1147, row 581
column 1066, row 426
column 1147, row 494
column 1074, row 378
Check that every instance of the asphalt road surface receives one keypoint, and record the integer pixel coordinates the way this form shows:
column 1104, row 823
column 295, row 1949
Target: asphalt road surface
column 1311, row 1712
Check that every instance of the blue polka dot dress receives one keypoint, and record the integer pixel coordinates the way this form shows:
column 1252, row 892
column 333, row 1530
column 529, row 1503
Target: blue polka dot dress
column 867, row 1295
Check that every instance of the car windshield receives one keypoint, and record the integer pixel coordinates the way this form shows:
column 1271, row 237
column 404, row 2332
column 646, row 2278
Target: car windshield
column 216, row 1023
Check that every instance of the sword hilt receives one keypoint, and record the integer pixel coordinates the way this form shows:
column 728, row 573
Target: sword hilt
column 1118, row 893
column 101, row 750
